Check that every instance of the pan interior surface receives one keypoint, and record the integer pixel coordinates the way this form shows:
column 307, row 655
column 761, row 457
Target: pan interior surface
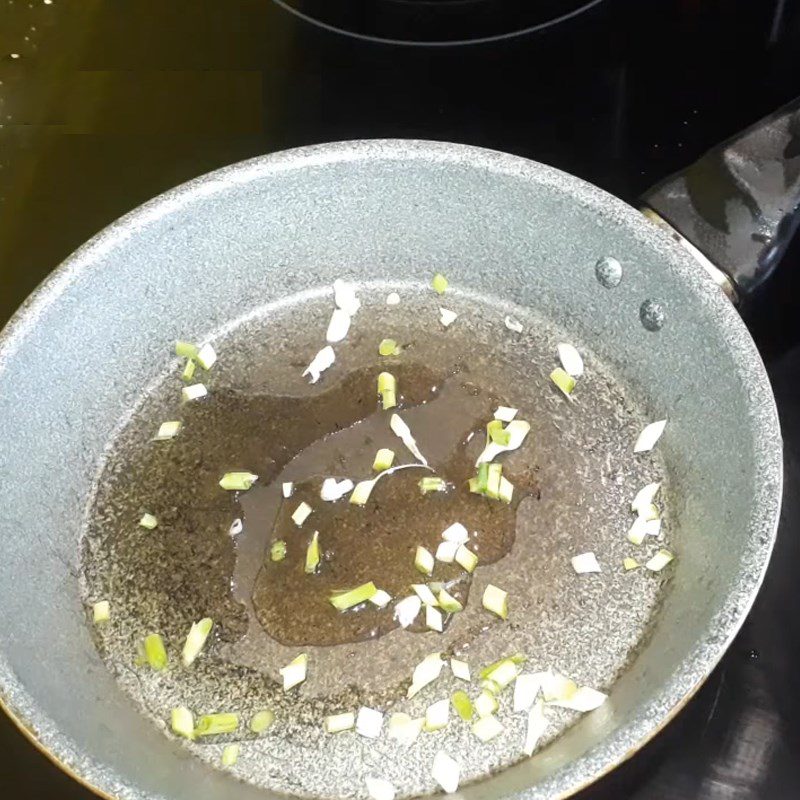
column 574, row 477
column 245, row 257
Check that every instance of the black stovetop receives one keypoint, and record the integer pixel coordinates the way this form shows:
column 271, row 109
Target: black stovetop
column 104, row 104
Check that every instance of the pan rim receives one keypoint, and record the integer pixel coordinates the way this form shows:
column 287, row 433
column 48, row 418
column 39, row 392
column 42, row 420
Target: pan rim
column 696, row 666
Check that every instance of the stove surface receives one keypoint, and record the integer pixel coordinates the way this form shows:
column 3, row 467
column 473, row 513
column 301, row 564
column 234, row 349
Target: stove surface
column 105, row 104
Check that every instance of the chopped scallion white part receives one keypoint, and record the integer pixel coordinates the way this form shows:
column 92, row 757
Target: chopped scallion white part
column 294, row 672
column 344, row 295
column 379, row 789
column 301, row 513
column 230, row 755
column 437, row 715
column 630, row 563
column 501, row 674
column 505, row 414
column 460, row 669
column 425, row 594
column 387, row 390
column 449, row 603
column 585, row 562
column 584, row 699
column 333, row 490
column 407, row 609
column 369, row 722
column 486, row 704
column 659, row 561
column 513, row 324
column 570, row 359
column 433, row 619
column 649, row 436
column 195, row 640
column 155, row 652
column 404, row 729
column 193, row 392
column 466, row 559
column 148, row 521
column 189, row 370
column 496, row 601
column 564, row 381
column 486, row 728
column 381, row 599
column 446, row 772
column 353, row 597
column 185, row 349
column 213, row 724
column 439, row 283
column 424, row 561
column 182, row 722
column 336, row 723
column 287, row 489
column 261, row 720
column 388, row 347
column 643, row 527
column 313, row 556
column 206, row 357
column 432, row 484
column 237, row 481
column 277, row 552
column 320, row 363
column 526, row 690
column 338, row 326
column 403, row 432
column 557, row 687
column 447, row 317
column 537, row 725
column 506, row 490
column 455, row 533
column 101, row 611
column 384, row 459
column 168, row 430
column 392, row 299
column 446, row 552
column 517, row 430
column 237, row 526
column 644, row 498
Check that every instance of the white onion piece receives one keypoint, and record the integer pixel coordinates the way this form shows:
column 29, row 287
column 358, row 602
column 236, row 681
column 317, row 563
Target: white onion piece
column 649, row 436
column 320, row 363
column 526, row 690
column 505, row 414
column 585, row 562
column 338, row 326
column 456, row 533
column 404, row 729
column 287, row 488
column 237, row 526
column 194, row 392
column 426, row 672
column 344, row 295
column 425, row 594
column 643, row 527
column 513, row 324
column 460, row 669
column 644, row 498
column 517, row 429
column 537, row 725
column 380, row 789
column 447, row 317
column 333, row 490
column 446, row 772
column 570, row 359
column 584, row 699
column 393, row 299
column 659, row 561
column 433, row 619
column 301, row 513
column 403, row 432
column 369, row 722
column 405, row 611
column 557, row 687
column 486, row 728
column 446, row 552
column 437, row 715
column 381, row 598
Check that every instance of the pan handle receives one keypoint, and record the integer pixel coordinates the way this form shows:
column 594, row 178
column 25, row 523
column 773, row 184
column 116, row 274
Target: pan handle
column 738, row 207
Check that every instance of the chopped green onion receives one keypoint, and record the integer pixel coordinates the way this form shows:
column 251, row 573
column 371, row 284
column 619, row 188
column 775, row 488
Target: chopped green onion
column 320, row 363
column 392, row 299
column 496, row 601
column 353, row 597
column 195, row 640
column 466, row 559
column 301, row 513
column 212, row 724
column 439, row 283
column 155, row 652
column 425, row 594
column 206, row 357
column 506, row 491
column 447, row 317
column 460, row 669
column 449, row 603
column 230, row 755
column 526, row 689
column 649, row 436
column 570, row 359
column 659, row 561
column 384, row 459
column 537, row 724
column 423, row 561
column 344, row 295
column 517, row 429
column 446, row 772
column 380, row 789
column 404, row 729
column 261, row 720
column 369, row 722
column 437, row 716
column 483, row 476
column 387, row 389
column 148, row 521
column 194, row 392
column 433, row 619
column 381, row 599
column 493, row 481
column 425, row 673
column 583, row 699
column 168, row 430
column 189, row 370
column 644, row 498
column 182, row 722
column 185, row 349
column 501, row 674
column 446, row 552
column 333, row 490
column 517, row 658
column 277, row 551
column 101, row 611
column 486, row 704
column 505, row 414
column 401, row 430
column 336, row 723
column 388, row 347
column 238, row 481
column 294, row 672
column 630, row 563
column 407, row 609
column 338, row 326
column 463, row 705
column 486, row 728
column 564, row 381
column 432, row 484
column 456, row 533
column 496, row 433
column 287, row 489
column 585, row 562
column 313, row 554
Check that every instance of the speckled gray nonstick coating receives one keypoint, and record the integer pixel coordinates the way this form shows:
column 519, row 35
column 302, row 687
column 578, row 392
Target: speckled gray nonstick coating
column 77, row 357
column 586, row 626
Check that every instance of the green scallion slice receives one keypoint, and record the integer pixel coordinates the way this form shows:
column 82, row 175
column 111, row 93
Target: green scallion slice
column 155, row 652
column 230, row 755
column 564, row 381
column 148, row 521
column 496, row 433
column 463, row 705
column 439, row 283
column 237, row 481
column 189, row 370
column 261, row 721
column 353, row 597
column 313, row 554
column 196, row 640
column 185, row 349
column 432, row 484
column 336, row 723
column 277, row 551
column 384, row 459
column 496, row 601
column 466, row 559
column 212, row 724
column 387, row 389
column 493, row 481
column 101, row 611
column 388, row 347
column 449, row 603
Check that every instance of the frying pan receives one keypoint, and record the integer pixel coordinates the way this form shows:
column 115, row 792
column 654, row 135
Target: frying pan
column 244, row 257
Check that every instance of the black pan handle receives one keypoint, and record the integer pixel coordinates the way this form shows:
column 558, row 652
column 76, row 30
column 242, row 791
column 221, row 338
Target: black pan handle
column 738, row 207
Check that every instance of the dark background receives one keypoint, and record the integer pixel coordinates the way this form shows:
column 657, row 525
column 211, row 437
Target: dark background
column 105, row 104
